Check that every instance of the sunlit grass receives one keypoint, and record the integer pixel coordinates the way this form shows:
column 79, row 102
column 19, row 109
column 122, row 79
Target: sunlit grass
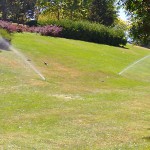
column 139, row 71
column 83, row 104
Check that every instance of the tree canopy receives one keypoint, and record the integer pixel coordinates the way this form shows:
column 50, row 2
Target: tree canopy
column 139, row 11
column 16, row 10
column 103, row 11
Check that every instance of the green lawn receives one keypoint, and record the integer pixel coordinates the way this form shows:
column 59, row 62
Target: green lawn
column 83, row 104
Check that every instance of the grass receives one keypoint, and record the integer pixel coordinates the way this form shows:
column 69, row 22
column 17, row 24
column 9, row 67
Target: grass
column 83, row 104
column 140, row 71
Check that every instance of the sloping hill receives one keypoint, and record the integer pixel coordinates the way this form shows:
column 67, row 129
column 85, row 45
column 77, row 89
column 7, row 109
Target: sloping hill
column 83, row 104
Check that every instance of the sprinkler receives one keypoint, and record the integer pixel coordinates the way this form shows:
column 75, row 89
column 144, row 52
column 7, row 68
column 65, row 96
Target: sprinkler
column 27, row 61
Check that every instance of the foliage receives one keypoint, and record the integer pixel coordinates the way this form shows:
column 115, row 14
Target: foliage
column 12, row 27
column 68, row 9
column 32, row 23
column 140, row 14
column 17, row 10
column 121, row 24
column 85, row 31
column 45, row 30
column 92, row 32
column 103, row 11
column 21, row 11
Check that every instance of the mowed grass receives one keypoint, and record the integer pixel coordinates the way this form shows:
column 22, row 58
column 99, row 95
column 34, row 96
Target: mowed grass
column 139, row 71
column 83, row 104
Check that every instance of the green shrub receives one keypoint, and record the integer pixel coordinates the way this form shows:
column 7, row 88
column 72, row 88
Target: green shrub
column 91, row 32
column 32, row 23
column 5, row 34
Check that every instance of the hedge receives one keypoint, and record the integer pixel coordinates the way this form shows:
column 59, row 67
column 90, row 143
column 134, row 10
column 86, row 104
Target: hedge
column 91, row 32
column 48, row 30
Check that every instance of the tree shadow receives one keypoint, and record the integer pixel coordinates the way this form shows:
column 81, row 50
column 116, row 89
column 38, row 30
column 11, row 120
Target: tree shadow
column 123, row 47
column 147, row 138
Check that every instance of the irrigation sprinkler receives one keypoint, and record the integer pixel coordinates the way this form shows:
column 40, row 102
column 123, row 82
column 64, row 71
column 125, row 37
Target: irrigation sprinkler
column 19, row 54
column 134, row 63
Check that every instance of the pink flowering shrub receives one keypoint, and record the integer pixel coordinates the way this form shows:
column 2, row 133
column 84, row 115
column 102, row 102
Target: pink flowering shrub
column 48, row 30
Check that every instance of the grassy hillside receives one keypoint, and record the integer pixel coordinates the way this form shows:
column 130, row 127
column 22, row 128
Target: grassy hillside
column 83, row 104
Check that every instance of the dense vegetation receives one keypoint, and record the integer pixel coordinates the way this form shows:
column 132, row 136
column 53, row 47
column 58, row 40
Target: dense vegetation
column 101, row 11
column 17, row 10
column 91, row 32
column 78, row 30
column 139, row 10
column 21, row 10
column 48, row 30
column 58, row 14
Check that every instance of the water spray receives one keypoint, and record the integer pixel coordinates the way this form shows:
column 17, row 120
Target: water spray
column 130, row 66
column 5, row 43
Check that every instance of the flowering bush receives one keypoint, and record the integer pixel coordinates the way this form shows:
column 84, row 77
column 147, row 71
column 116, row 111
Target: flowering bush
column 48, row 30
column 12, row 27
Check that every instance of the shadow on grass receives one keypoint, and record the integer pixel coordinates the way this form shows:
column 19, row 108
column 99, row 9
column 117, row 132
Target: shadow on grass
column 147, row 138
column 123, row 47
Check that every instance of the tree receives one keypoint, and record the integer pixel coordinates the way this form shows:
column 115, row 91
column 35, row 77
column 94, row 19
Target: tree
column 3, row 9
column 139, row 10
column 67, row 9
column 103, row 11
column 121, row 25
column 16, row 10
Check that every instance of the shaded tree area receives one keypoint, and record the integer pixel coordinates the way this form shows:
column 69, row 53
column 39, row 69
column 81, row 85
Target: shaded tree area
column 16, row 10
column 139, row 10
column 3, row 9
column 80, row 19
column 103, row 11
column 66, row 9
column 100, row 11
